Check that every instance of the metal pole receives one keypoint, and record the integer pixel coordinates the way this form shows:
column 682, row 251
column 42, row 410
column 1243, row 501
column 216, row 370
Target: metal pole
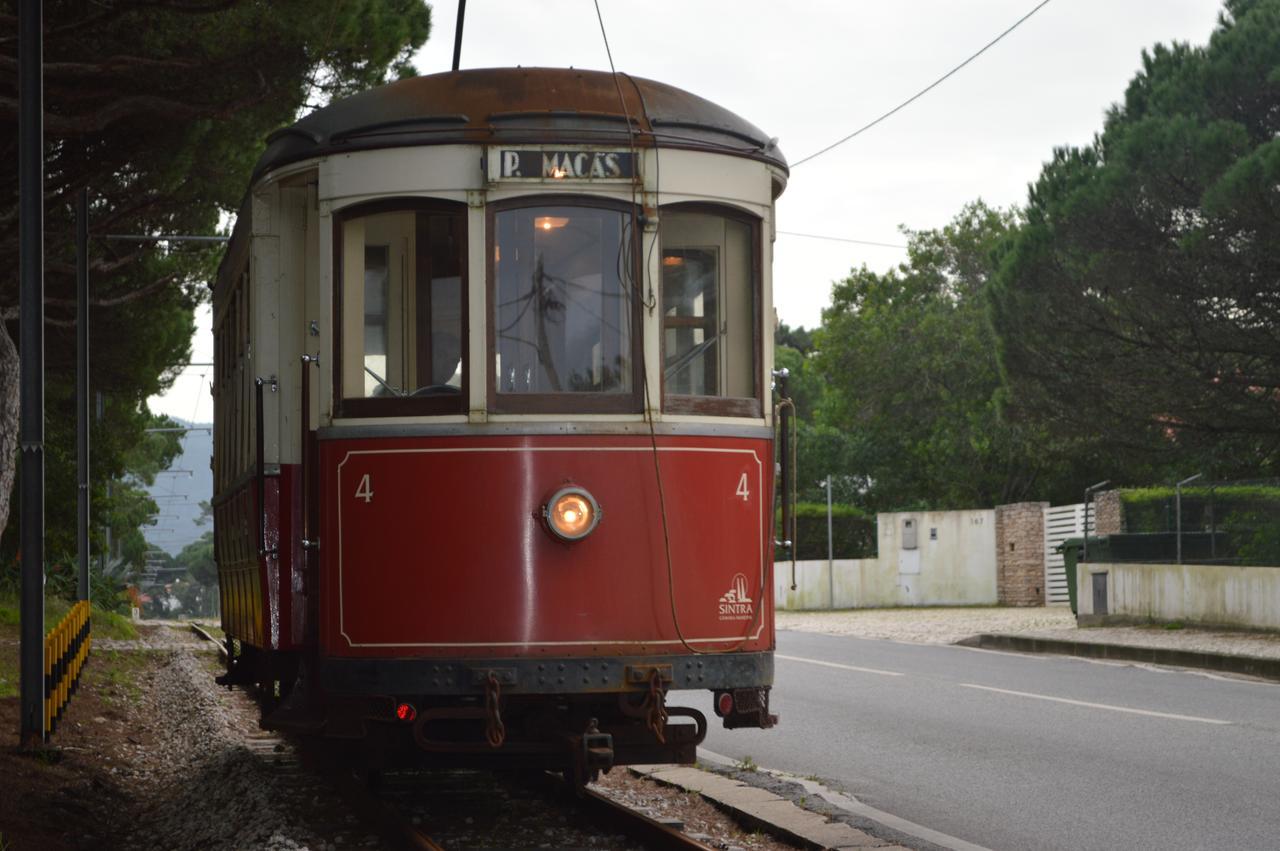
column 457, row 34
column 1088, row 497
column 831, row 558
column 1177, row 490
column 31, row 353
column 82, row 392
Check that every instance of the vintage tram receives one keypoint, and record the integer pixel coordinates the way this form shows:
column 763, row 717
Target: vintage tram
column 494, row 425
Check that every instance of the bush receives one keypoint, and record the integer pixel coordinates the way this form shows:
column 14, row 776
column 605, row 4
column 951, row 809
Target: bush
column 853, row 532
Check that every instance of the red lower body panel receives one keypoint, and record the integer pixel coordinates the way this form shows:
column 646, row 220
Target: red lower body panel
column 436, row 547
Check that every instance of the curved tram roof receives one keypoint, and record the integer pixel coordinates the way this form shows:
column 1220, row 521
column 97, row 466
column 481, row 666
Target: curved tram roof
column 520, row 106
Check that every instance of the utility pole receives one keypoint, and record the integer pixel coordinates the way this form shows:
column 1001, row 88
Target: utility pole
column 82, row 392
column 31, row 352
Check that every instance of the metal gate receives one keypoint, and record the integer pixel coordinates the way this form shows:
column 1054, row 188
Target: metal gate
column 1060, row 523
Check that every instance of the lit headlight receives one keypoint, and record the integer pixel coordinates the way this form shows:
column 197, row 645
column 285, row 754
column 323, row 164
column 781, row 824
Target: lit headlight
column 571, row 514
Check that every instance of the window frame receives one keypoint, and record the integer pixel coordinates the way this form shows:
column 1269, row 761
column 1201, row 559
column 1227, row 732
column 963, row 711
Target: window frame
column 401, row 406
column 719, row 406
column 564, row 403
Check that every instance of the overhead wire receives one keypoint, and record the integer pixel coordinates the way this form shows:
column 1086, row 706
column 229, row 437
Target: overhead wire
column 644, row 376
column 841, row 239
column 864, row 128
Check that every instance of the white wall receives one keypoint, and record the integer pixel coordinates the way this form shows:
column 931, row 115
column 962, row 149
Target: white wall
column 953, row 563
column 1222, row 595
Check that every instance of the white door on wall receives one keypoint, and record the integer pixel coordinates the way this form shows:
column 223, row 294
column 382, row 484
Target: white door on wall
column 1060, row 523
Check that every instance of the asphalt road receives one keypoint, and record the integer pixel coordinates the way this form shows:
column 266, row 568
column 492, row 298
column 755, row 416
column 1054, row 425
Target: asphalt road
column 1024, row 752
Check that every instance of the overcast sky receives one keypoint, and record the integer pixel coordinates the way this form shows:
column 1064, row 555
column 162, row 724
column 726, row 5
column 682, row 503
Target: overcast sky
column 813, row 72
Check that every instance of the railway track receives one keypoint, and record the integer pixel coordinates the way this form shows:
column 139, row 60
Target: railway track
column 391, row 808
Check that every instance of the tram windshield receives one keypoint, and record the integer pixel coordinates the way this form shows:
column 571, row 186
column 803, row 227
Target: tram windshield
column 563, row 303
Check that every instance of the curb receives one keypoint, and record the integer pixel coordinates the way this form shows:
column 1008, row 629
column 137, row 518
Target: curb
column 1251, row 665
column 759, row 809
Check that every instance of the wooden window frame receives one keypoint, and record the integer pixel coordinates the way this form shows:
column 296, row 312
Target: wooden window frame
column 401, row 406
column 564, row 403
column 719, row 406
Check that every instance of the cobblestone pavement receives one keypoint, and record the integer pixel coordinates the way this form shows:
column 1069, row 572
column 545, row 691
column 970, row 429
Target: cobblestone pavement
column 949, row 625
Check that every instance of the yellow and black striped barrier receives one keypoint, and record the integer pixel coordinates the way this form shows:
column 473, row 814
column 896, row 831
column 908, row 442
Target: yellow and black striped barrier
column 65, row 650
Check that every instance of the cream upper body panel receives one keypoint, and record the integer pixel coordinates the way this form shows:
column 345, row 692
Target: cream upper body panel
column 292, row 270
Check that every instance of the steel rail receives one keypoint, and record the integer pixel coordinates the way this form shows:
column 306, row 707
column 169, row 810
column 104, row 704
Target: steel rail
column 207, row 636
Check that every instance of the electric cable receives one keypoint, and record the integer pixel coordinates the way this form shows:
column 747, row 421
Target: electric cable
column 926, row 89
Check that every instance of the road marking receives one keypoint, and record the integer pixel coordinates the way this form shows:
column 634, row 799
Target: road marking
column 1127, row 709
column 838, row 665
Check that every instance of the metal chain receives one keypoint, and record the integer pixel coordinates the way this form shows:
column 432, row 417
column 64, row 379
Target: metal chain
column 656, row 700
column 495, row 732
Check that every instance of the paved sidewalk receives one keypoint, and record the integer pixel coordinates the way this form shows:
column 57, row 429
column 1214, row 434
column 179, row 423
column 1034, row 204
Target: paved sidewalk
column 928, row 625
column 1050, row 630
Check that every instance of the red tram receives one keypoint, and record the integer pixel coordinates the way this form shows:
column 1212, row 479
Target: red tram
column 494, row 423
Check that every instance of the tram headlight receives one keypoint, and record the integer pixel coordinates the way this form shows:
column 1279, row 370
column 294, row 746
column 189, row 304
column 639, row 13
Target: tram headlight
column 571, row 514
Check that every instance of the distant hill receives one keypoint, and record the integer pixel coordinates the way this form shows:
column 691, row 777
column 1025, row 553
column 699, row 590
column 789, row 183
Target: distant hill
column 179, row 494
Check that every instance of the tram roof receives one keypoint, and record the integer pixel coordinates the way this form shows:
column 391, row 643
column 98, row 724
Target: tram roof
column 520, row 106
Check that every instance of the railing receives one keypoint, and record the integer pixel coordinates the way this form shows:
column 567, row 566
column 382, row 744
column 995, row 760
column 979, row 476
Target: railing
column 66, row 649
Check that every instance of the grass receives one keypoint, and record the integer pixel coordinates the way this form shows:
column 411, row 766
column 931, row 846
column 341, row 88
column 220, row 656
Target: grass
column 105, row 625
column 115, row 674
column 746, row 764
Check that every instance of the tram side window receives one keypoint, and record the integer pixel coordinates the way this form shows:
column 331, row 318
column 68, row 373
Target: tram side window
column 709, row 313
column 403, row 309
column 564, row 310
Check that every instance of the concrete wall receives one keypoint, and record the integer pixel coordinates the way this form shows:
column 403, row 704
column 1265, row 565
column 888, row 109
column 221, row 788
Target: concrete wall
column 953, row 562
column 1221, row 595
column 857, row 581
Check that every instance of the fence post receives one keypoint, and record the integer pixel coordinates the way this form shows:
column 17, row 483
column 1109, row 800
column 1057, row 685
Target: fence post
column 1177, row 491
column 831, row 557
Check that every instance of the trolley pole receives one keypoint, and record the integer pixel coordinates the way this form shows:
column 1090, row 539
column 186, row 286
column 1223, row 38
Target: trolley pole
column 457, row 34
column 31, row 353
column 82, row 392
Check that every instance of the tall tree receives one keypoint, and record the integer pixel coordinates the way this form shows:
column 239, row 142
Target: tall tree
column 160, row 109
column 912, row 375
column 1141, row 301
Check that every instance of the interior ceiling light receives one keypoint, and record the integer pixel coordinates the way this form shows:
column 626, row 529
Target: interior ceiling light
column 550, row 222
column 571, row 514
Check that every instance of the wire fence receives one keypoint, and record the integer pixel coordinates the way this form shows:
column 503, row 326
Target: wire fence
column 1199, row 522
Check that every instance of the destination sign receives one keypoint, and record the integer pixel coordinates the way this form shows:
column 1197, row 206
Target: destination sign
column 566, row 165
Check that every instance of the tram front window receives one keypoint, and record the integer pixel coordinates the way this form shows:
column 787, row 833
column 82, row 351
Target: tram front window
column 403, row 305
column 563, row 309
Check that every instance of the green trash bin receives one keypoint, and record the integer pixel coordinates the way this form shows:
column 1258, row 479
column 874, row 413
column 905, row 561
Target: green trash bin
column 1071, row 550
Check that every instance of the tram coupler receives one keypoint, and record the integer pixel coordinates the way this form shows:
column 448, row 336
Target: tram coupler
column 590, row 752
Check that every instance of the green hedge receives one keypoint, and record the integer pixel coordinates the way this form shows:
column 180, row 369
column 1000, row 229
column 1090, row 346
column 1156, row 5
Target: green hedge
column 853, row 532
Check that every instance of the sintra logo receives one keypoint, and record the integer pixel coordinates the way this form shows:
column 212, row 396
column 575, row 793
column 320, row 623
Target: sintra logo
column 735, row 605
